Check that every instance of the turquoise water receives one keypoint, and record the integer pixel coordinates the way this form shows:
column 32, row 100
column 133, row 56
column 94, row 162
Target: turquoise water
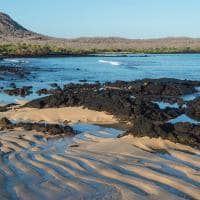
column 101, row 68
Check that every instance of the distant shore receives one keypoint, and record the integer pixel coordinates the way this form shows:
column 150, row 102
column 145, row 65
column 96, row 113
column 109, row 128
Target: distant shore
column 22, row 50
column 89, row 55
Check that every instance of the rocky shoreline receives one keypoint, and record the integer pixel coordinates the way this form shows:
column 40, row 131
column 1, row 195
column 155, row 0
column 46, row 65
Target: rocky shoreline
column 49, row 129
column 194, row 109
column 14, row 72
column 134, row 103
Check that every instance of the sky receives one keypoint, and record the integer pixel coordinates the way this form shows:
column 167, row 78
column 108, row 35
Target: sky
column 123, row 18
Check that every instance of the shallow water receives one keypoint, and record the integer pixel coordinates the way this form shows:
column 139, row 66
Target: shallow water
column 164, row 105
column 191, row 97
column 184, row 118
column 62, row 144
column 102, row 68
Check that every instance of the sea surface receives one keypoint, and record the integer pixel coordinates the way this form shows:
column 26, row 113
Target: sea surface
column 63, row 70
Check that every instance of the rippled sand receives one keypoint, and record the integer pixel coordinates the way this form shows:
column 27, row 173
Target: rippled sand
column 96, row 166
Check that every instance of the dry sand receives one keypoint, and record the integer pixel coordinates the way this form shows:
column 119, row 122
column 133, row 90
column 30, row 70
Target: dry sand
column 57, row 115
column 97, row 165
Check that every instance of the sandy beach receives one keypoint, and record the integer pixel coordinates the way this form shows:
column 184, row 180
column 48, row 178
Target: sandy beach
column 94, row 164
column 96, row 167
column 60, row 115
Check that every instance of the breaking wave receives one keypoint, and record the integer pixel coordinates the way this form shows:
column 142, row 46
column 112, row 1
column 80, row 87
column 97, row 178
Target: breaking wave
column 15, row 61
column 115, row 63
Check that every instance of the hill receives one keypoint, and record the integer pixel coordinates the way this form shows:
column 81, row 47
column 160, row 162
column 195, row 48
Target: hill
column 11, row 29
column 17, row 40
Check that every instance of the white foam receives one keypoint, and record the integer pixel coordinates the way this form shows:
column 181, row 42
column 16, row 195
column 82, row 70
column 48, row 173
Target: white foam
column 115, row 63
column 11, row 60
column 15, row 61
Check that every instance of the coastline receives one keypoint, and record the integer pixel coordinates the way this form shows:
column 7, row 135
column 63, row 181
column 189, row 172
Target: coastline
column 99, row 160
column 107, row 55
column 96, row 53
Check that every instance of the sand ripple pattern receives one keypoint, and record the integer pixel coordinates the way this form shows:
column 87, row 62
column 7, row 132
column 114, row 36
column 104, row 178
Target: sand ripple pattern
column 100, row 168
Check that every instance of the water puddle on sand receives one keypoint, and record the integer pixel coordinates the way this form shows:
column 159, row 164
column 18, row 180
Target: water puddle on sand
column 85, row 132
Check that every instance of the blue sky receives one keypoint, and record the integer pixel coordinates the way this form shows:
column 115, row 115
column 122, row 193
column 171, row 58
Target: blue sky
column 124, row 18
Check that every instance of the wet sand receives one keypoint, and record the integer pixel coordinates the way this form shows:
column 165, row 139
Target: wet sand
column 96, row 166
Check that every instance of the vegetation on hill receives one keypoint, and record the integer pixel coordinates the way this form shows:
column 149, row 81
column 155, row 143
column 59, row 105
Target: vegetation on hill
column 28, row 50
column 23, row 49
